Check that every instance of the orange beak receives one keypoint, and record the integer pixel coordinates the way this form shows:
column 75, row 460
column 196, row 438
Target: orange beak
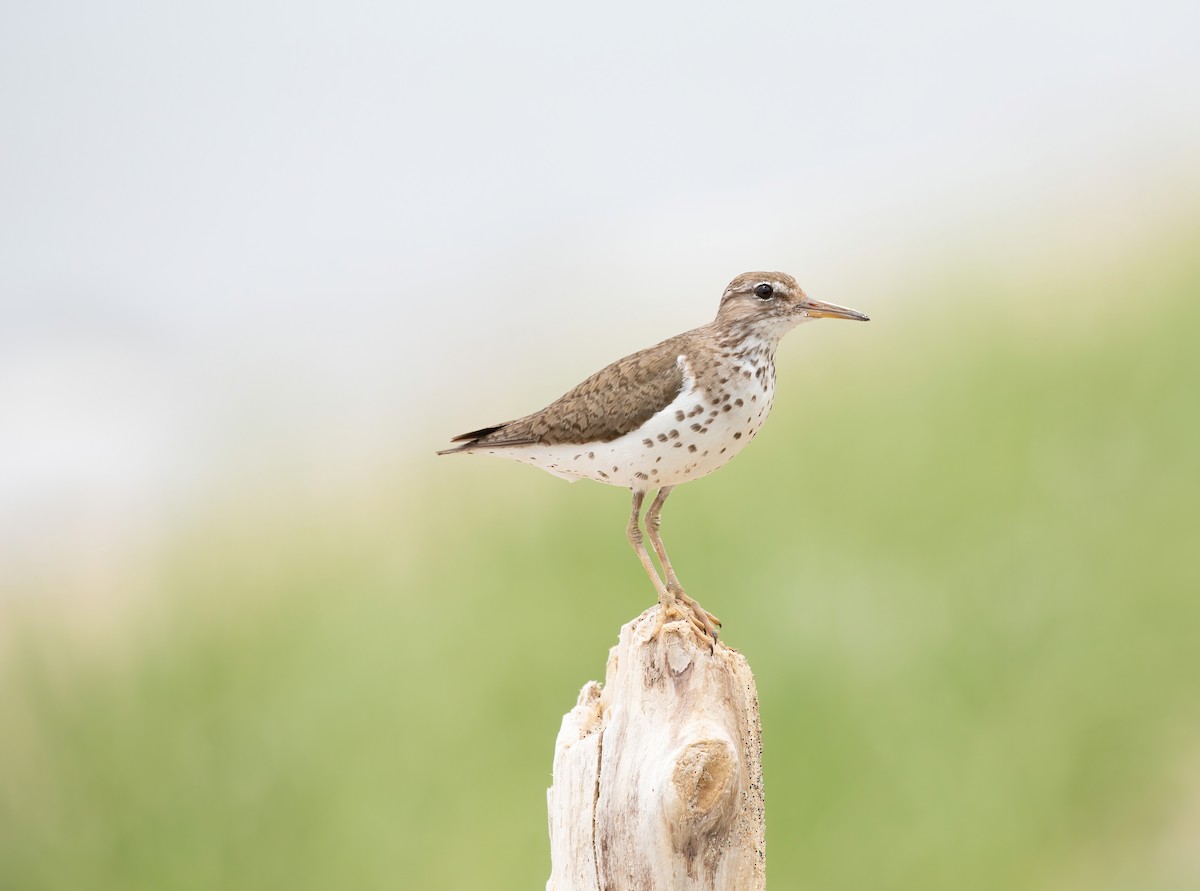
column 816, row 309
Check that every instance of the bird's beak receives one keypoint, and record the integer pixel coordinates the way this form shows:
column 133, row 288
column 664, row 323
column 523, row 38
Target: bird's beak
column 816, row 309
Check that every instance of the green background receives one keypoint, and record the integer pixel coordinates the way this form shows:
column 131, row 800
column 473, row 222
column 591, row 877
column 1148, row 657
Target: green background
column 961, row 560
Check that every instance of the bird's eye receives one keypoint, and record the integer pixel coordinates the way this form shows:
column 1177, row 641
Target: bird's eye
column 764, row 291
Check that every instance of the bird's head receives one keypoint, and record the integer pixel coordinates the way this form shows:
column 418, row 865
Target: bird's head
column 771, row 304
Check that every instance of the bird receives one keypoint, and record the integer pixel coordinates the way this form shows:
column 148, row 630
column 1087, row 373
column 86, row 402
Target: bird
column 667, row 415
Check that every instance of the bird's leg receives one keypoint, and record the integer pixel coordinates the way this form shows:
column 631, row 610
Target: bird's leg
column 634, row 531
column 667, row 599
column 707, row 621
column 653, row 523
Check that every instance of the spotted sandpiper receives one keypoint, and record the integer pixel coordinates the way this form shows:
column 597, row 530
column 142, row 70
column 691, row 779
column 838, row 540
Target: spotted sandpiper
column 667, row 415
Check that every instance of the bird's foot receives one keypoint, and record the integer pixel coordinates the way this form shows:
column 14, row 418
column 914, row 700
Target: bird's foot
column 703, row 623
column 707, row 620
column 672, row 610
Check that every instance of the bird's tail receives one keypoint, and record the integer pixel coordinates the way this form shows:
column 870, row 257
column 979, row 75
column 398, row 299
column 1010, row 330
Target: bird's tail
column 470, row 440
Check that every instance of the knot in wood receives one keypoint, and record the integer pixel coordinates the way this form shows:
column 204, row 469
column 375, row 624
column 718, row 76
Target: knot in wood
column 702, row 795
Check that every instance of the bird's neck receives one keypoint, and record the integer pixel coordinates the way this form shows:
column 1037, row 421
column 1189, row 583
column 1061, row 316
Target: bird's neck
column 747, row 339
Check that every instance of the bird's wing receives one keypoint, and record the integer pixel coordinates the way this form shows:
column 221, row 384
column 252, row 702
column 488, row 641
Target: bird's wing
column 612, row 402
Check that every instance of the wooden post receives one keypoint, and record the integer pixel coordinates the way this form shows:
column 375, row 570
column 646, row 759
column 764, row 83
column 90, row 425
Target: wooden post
column 658, row 775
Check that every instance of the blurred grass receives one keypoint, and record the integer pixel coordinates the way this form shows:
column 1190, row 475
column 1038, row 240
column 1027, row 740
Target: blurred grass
column 961, row 560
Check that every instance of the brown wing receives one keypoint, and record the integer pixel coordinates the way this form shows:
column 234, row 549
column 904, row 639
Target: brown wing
column 610, row 403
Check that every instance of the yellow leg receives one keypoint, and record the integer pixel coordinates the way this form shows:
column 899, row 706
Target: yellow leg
column 668, row 600
column 707, row 623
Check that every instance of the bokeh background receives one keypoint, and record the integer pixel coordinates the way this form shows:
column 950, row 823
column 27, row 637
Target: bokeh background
column 258, row 261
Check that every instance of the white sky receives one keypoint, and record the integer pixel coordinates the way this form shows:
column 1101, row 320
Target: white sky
column 232, row 229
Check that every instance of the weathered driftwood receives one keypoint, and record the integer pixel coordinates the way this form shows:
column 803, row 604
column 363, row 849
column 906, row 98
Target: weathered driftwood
column 658, row 775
